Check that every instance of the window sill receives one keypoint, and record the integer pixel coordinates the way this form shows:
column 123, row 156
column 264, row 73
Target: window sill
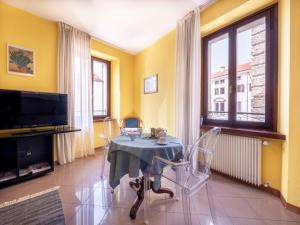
column 102, row 120
column 249, row 132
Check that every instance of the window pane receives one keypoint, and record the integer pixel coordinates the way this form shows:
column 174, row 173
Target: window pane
column 100, row 78
column 251, row 44
column 218, row 78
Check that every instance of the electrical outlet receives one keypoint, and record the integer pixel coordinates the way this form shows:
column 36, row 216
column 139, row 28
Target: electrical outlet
column 267, row 184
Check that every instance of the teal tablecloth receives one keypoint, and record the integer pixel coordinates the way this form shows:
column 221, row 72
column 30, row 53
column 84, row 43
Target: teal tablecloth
column 128, row 157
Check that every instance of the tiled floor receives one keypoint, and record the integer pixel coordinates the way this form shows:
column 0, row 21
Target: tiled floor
column 87, row 200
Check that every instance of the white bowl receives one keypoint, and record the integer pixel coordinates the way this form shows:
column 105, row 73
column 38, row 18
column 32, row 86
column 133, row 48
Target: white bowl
column 132, row 136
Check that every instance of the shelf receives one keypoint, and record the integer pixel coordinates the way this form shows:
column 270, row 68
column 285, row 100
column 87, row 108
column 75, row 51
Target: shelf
column 24, row 149
column 248, row 132
column 37, row 132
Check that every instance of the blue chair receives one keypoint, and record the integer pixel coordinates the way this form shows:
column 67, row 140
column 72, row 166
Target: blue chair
column 130, row 123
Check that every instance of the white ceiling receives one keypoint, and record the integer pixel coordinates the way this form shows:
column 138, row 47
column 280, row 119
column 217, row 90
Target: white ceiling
column 130, row 25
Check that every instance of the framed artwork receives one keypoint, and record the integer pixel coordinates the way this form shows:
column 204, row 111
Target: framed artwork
column 20, row 61
column 151, row 84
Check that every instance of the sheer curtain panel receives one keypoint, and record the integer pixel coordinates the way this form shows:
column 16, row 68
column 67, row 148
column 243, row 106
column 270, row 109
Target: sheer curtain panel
column 74, row 79
column 187, row 79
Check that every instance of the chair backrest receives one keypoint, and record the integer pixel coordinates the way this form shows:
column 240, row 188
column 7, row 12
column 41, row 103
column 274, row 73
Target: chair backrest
column 131, row 123
column 106, row 130
column 202, row 151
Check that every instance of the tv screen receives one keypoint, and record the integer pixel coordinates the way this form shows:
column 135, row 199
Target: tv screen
column 21, row 109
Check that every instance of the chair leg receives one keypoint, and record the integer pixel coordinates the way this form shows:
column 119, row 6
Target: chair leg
column 211, row 205
column 178, row 181
column 103, row 163
column 186, row 205
column 146, row 197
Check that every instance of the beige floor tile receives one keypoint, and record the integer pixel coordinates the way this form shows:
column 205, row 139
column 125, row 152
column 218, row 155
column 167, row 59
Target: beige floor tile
column 88, row 215
column 75, row 194
column 87, row 199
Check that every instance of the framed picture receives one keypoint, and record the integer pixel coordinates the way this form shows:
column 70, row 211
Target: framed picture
column 20, row 61
column 151, row 84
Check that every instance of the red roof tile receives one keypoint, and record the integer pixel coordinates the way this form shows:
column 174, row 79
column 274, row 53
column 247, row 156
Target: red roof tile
column 242, row 67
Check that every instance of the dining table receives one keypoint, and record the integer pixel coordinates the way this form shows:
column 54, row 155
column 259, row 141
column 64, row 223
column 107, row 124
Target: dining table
column 128, row 156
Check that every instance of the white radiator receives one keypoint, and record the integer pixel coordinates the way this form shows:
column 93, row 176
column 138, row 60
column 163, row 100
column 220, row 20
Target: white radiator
column 239, row 157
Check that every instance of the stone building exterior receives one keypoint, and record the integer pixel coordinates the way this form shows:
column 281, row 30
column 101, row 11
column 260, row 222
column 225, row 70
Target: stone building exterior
column 257, row 72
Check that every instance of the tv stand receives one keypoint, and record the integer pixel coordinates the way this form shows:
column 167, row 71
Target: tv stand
column 25, row 155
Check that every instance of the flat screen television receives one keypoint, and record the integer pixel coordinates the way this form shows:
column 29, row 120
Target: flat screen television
column 22, row 109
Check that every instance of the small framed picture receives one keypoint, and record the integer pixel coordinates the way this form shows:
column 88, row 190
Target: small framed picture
column 151, row 84
column 20, row 61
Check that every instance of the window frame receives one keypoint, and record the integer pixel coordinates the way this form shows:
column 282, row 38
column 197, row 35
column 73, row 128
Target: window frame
column 108, row 64
column 271, row 72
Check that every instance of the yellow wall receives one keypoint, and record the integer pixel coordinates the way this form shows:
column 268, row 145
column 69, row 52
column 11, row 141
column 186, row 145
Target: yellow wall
column 21, row 28
column 290, row 36
column 122, row 86
column 280, row 160
column 158, row 109
column 24, row 29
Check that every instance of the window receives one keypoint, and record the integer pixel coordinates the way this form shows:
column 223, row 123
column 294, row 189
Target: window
column 216, row 82
column 222, row 91
column 222, row 81
column 217, row 106
column 216, row 91
column 244, row 55
column 101, row 88
column 240, row 88
column 222, row 106
column 239, row 107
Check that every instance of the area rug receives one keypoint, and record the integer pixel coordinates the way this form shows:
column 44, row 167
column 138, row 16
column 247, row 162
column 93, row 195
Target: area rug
column 41, row 208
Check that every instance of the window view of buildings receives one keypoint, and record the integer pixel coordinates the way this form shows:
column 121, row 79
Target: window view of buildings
column 250, row 76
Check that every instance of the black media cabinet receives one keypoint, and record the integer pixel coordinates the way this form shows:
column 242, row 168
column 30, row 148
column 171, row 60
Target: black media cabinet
column 19, row 151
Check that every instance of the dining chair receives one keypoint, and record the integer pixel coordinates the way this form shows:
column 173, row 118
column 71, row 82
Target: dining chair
column 130, row 123
column 191, row 173
column 105, row 135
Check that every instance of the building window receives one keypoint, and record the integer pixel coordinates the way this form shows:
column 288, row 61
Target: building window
column 239, row 107
column 222, row 106
column 216, row 82
column 244, row 55
column 217, row 106
column 222, row 81
column 101, row 88
column 240, row 88
column 222, row 91
column 216, row 91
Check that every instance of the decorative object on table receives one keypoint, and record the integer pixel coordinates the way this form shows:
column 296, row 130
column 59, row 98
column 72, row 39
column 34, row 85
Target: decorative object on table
column 153, row 132
column 131, row 124
column 132, row 135
column 151, row 84
column 20, row 61
column 162, row 137
column 158, row 131
column 41, row 208
column 191, row 173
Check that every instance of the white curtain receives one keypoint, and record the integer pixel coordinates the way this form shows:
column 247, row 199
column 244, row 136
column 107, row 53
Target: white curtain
column 74, row 79
column 188, row 78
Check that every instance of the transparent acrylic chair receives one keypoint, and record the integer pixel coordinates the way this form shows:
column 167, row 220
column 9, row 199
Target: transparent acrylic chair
column 106, row 136
column 191, row 173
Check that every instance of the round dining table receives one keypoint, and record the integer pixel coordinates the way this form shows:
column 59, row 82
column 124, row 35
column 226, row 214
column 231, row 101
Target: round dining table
column 131, row 157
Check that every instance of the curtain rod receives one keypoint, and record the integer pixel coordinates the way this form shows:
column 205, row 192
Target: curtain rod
column 201, row 7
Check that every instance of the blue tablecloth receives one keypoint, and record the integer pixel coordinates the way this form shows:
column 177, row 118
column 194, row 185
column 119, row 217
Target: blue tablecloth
column 128, row 157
